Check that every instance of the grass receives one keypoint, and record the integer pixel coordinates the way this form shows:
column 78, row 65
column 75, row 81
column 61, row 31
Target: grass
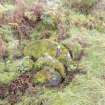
column 86, row 89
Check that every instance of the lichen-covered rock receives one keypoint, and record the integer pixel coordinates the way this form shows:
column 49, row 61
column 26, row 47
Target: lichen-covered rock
column 55, row 78
column 75, row 48
column 50, row 62
column 39, row 48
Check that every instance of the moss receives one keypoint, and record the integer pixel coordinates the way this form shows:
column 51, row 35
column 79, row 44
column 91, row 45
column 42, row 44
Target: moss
column 40, row 77
column 25, row 64
column 8, row 72
column 12, row 69
column 6, row 78
column 39, row 48
column 47, row 76
column 51, row 62
column 9, row 66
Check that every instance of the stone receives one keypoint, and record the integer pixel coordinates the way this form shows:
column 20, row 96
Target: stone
column 47, row 76
column 50, row 62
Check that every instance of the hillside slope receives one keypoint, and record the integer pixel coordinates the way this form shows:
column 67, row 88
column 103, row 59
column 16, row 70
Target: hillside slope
column 51, row 54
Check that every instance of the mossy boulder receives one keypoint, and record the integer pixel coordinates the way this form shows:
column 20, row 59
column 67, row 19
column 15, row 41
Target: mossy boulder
column 55, row 78
column 50, row 62
column 47, row 76
column 74, row 47
column 39, row 48
column 41, row 77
